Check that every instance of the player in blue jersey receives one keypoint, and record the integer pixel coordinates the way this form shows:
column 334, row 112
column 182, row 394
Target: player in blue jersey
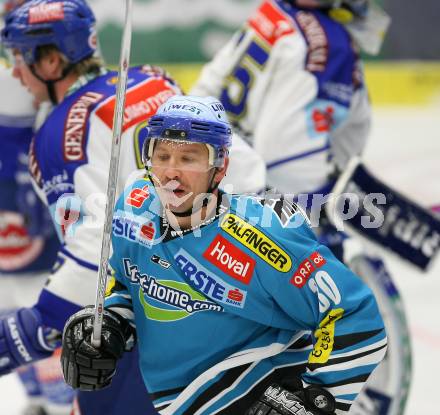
column 53, row 44
column 235, row 306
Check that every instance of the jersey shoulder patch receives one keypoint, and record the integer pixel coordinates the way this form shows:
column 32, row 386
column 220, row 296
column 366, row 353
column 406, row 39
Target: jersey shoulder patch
column 146, row 92
column 136, row 196
column 271, row 22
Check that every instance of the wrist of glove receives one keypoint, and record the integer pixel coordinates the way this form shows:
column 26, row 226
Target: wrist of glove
column 84, row 366
column 24, row 339
column 277, row 400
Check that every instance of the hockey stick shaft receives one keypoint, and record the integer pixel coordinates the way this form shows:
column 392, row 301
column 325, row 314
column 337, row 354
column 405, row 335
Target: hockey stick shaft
column 118, row 118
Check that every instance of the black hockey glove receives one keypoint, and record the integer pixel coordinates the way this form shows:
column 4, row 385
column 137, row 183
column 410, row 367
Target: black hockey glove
column 276, row 400
column 84, row 366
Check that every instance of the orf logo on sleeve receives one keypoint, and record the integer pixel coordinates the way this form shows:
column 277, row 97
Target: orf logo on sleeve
column 137, row 197
column 306, row 269
column 227, row 257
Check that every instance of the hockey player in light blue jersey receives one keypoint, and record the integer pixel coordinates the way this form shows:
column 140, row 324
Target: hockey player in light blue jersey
column 236, row 308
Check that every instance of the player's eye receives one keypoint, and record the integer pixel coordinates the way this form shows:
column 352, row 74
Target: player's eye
column 162, row 157
column 188, row 159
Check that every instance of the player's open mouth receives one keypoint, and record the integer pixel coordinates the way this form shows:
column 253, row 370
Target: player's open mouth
column 173, row 192
column 179, row 192
column 175, row 197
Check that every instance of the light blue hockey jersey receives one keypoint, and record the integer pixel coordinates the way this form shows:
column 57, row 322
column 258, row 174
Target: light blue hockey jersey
column 245, row 299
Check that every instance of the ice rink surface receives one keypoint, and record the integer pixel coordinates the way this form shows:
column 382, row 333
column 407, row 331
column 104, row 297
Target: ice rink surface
column 404, row 150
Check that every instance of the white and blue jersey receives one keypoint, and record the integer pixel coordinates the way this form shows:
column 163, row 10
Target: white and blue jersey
column 69, row 161
column 28, row 243
column 291, row 81
column 247, row 298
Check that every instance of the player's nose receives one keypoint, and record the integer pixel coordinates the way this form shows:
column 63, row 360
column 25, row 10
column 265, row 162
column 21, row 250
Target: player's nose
column 172, row 172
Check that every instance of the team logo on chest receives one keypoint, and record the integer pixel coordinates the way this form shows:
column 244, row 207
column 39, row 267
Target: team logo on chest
column 208, row 283
column 167, row 300
column 231, row 260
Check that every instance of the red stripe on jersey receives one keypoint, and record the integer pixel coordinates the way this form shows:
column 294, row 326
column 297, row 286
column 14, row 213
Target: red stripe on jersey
column 141, row 102
column 270, row 23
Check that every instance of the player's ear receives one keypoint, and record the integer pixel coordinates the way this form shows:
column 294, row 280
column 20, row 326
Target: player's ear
column 51, row 65
column 221, row 172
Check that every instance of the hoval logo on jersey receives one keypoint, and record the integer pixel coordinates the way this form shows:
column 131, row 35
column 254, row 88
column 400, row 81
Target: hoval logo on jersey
column 230, row 259
column 306, row 269
column 167, row 300
column 137, row 197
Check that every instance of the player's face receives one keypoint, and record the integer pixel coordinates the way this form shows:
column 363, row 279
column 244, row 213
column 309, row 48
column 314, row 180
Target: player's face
column 23, row 72
column 181, row 173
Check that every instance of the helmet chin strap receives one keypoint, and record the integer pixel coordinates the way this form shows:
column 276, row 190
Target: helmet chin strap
column 50, row 84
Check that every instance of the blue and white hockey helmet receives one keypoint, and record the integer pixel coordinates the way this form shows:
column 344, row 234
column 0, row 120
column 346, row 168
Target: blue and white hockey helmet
column 67, row 24
column 184, row 120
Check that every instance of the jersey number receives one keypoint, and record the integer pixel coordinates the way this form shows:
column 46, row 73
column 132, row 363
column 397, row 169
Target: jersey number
column 241, row 79
column 326, row 289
